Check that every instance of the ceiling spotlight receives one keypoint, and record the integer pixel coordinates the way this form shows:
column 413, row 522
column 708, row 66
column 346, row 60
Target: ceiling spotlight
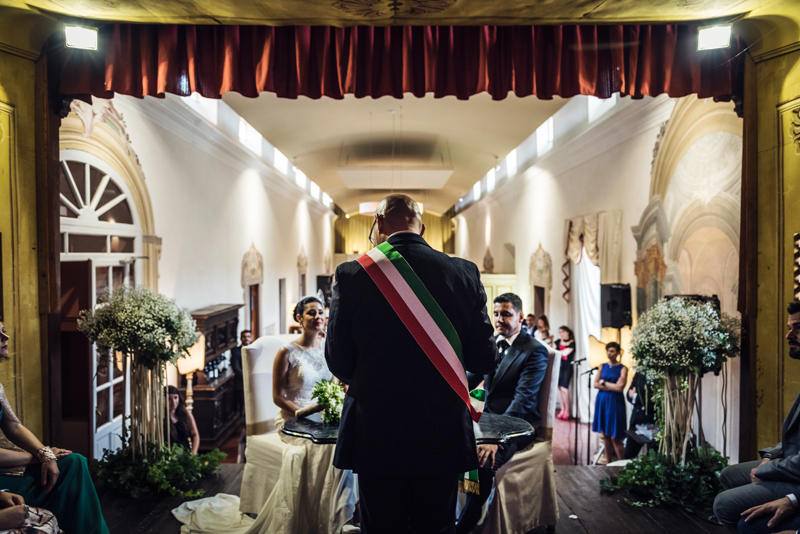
column 81, row 37
column 713, row 37
column 346, row 215
column 461, row 199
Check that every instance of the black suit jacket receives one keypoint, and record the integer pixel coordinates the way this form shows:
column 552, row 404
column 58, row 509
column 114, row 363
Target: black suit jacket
column 642, row 414
column 400, row 415
column 236, row 366
column 513, row 387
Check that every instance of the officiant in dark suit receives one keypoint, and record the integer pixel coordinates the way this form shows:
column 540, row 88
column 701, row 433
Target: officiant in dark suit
column 511, row 389
column 404, row 429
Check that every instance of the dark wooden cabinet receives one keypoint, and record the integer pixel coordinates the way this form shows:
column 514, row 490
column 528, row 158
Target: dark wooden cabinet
column 215, row 408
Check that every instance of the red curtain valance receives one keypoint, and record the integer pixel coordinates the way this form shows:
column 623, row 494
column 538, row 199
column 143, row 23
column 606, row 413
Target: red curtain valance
column 368, row 61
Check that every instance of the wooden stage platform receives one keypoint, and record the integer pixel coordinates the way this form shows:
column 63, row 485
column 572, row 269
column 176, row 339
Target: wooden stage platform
column 578, row 494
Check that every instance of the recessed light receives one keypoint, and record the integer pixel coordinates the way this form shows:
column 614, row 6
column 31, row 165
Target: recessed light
column 81, row 37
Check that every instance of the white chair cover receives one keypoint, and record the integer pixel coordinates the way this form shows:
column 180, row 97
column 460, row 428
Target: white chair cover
column 264, row 449
column 525, row 487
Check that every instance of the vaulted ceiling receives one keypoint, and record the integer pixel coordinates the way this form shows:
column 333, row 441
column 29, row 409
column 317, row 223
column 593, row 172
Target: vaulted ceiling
column 411, row 136
column 387, row 12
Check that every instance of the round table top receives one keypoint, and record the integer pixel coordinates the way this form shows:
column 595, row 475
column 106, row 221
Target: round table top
column 492, row 429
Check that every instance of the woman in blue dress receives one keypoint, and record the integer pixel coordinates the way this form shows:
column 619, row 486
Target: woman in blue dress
column 55, row 479
column 609, row 407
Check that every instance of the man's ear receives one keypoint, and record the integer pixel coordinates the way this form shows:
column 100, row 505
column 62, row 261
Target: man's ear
column 422, row 232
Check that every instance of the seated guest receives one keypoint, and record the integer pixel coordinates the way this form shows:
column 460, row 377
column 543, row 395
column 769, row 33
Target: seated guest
column 18, row 518
column 529, row 326
column 609, row 406
column 751, row 484
column 511, row 389
column 766, row 518
column 182, row 425
column 566, row 346
column 54, row 479
column 542, row 332
column 644, row 412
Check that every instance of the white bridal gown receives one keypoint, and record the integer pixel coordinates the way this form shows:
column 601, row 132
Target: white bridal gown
column 311, row 495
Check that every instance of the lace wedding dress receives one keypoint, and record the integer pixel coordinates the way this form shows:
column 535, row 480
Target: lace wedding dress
column 311, row 495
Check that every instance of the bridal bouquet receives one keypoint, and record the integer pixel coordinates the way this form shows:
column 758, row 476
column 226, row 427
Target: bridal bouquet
column 330, row 396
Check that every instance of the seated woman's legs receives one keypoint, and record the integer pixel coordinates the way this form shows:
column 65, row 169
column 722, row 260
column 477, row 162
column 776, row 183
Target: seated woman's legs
column 73, row 500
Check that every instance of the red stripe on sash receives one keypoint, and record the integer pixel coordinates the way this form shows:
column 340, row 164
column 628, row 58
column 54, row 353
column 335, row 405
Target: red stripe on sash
column 420, row 335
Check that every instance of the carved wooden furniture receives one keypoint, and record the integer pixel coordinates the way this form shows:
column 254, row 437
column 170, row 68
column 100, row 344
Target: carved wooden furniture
column 214, row 404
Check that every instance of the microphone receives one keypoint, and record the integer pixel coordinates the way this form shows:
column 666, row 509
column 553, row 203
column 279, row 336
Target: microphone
column 578, row 361
column 590, row 371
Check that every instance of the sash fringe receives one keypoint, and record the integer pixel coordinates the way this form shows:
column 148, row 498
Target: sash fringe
column 468, row 486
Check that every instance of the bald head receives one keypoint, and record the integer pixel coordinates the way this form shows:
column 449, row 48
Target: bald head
column 398, row 213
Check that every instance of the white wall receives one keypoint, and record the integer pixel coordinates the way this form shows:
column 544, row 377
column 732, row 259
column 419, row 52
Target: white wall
column 212, row 198
column 602, row 166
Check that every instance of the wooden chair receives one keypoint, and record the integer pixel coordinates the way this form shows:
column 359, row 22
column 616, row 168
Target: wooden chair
column 264, row 450
column 525, row 487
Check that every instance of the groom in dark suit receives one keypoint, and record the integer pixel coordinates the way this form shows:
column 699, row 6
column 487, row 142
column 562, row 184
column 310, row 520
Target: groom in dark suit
column 511, row 389
column 404, row 430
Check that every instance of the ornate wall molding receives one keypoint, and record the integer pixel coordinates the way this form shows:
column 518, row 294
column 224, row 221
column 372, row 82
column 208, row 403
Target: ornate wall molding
column 327, row 263
column 794, row 129
column 541, row 274
column 252, row 267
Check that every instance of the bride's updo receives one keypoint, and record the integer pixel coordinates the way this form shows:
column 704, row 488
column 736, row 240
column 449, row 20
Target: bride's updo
column 301, row 306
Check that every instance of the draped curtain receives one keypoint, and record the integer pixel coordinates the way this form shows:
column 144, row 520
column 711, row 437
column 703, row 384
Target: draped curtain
column 369, row 61
column 585, row 312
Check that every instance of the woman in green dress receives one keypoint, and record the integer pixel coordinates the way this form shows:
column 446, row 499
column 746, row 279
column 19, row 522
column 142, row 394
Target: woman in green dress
column 54, row 479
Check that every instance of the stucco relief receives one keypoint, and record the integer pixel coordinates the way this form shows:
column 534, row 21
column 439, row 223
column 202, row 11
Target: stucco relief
column 327, row 262
column 541, row 269
column 794, row 130
column 651, row 266
column 389, row 8
column 488, row 262
column 302, row 261
column 252, row 267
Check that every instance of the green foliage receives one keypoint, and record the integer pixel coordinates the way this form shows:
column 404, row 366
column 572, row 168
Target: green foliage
column 652, row 480
column 165, row 470
column 139, row 320
column 330, row 395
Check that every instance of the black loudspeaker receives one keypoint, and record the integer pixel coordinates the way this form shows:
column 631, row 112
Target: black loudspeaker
column 615, row 305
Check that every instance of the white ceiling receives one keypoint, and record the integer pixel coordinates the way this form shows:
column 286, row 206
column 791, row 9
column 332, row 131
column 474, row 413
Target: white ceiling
column 323, row 135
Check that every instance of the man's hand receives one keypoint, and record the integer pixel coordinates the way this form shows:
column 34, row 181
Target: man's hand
column 780, row 509
column 487, row 452
column 753, row 477
column 8, row 499
column 13, row 517
column 49, row 475
column 631, row 392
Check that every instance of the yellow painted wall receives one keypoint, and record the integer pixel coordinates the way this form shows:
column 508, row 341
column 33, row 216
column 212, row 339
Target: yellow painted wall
column 22, row 376
column 775, row 34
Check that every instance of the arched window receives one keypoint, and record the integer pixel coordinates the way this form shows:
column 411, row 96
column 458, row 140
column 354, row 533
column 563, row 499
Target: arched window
column 101, row 239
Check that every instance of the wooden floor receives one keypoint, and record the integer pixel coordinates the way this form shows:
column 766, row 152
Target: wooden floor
column 578, row 495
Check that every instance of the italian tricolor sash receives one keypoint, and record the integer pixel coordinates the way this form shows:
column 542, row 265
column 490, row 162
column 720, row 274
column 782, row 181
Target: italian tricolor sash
column 425, row 320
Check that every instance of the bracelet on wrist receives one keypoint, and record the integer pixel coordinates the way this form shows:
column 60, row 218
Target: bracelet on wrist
column 45, row 455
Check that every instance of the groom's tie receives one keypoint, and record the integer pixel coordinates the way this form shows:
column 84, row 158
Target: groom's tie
column 502, row 345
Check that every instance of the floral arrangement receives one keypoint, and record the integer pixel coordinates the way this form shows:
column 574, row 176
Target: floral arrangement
column 680, row 336
column 140, row 321
column 329, row 395
column 673, row 344
column 151, row 330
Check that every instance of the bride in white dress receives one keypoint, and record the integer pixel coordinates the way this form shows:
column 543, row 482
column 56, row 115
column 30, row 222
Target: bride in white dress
column 311, row 496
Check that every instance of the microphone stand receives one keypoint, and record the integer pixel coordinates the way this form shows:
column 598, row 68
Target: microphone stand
column 575, row 364
column 590, row 372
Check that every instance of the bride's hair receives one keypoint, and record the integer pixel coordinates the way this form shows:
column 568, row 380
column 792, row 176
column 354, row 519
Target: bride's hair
column 301, row 306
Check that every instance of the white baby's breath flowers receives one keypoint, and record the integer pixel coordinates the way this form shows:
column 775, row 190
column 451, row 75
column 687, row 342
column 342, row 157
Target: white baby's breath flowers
column 139, row 320
column 680, row 336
